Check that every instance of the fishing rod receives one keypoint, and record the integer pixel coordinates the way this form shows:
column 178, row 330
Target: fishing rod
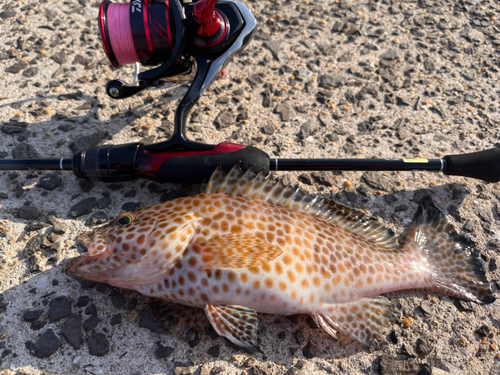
column 134, row 160
column 194, row 42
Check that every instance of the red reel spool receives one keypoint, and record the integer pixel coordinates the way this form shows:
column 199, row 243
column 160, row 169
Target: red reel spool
column 136, row 32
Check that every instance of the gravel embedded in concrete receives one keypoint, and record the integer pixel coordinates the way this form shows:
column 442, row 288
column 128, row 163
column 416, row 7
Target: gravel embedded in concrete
column 60, row 307
column 98, row 344
column 47, row 344
column 72, row 330
column 322, row 79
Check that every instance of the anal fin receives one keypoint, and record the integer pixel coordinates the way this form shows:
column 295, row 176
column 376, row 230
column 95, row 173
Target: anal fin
column 361, row 319
column 237, row 323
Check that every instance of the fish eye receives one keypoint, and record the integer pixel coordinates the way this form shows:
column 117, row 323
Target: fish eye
column 125, row 219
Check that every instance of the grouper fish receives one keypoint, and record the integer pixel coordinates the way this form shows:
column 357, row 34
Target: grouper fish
column 248, row 244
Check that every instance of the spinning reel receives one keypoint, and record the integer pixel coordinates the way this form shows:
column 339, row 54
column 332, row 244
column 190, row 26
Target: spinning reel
column 189, row 42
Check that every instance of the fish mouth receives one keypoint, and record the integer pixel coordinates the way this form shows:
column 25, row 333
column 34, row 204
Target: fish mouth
column 71, row 266
column 94, row 242
column 87, row 239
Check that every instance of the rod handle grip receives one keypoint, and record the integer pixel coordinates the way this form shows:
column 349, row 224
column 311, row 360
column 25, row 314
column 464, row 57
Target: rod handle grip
column 199, row 167
column 483, row 165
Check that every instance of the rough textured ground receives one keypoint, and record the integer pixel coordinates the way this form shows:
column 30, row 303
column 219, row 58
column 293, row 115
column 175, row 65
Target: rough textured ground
column 384, row 79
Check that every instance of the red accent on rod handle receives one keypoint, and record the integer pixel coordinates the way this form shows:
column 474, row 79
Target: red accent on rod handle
column 148, row 163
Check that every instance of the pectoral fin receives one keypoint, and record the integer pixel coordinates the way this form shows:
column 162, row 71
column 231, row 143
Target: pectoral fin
column 237, row 251
column 237, row 323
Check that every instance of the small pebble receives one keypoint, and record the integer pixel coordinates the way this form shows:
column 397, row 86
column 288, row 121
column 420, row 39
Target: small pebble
column 60, row 307
column 91, row 309
column 47, row 344
column 32, row 315
column 98, row 344
column 408, row 322
column 132, row 315
column 163, row 351
column 72, row 330
column 116, row 319
column 91, row 323
column 82, row 301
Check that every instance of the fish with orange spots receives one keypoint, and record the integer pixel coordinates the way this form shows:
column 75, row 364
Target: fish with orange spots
column 248, row 244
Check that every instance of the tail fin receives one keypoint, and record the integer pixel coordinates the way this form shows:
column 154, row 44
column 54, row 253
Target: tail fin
column 458, row 270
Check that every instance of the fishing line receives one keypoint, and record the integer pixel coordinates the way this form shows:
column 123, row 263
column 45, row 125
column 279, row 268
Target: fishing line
column 120, row 34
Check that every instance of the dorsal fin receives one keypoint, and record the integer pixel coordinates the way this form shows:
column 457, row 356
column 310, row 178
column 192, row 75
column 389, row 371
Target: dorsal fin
column 249, row 185
column 360, row 223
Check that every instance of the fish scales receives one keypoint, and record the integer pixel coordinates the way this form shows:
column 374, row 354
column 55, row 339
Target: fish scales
column 310, row 272
column 250, row 245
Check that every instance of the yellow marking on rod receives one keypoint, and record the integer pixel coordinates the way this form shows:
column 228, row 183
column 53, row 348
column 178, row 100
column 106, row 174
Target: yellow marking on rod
column 415, row 160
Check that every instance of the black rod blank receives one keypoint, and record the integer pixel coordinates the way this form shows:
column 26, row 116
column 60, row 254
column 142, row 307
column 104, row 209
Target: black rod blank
column 275, row 164
column 357, row 164
column 64, row 164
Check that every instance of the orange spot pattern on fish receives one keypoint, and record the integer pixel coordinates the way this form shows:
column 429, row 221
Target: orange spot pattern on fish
column 268, row 250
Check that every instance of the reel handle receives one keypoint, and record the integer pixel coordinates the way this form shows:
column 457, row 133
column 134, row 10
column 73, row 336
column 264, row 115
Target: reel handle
column 208, row 24
column 204, row 11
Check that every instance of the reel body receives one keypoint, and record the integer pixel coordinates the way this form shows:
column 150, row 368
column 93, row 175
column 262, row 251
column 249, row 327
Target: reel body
column 172, row 36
